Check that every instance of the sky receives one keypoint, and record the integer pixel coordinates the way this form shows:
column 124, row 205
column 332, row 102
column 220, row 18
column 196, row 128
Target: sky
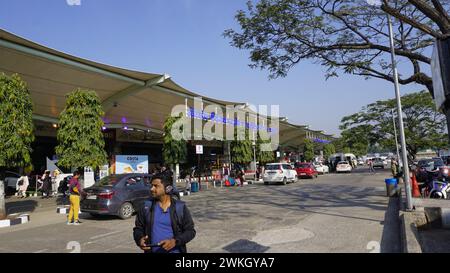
column 183, row 38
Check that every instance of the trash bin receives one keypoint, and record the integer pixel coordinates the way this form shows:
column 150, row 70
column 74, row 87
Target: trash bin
column 391, row 187
column 194, row 187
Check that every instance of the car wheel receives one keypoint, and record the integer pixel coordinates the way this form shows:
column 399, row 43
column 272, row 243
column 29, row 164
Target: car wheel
column 126, row 210
column 284, row 181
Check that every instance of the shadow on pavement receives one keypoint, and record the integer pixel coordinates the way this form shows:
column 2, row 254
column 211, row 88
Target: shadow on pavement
column 21, row 206
column 245, row 246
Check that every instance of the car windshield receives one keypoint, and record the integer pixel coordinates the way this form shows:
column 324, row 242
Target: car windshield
column 438, row 162
column 302, row 165
column 272, row 167
column 109, row 180
column 342, row 163
column 425, row 163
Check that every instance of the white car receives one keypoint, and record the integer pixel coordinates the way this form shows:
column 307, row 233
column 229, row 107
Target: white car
column 279, row 173
column 360, row 162
column 321, row 169
column 343, row 166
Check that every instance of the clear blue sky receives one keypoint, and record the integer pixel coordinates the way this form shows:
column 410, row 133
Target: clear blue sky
column 183, row 38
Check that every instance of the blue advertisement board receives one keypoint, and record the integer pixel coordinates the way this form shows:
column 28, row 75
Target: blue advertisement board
column 131, row 164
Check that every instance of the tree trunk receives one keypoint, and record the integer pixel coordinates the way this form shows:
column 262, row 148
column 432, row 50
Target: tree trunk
column 2, row 200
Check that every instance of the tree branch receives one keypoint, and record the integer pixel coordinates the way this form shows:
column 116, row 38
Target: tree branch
column 385, row 7
column 437, row 5
column 431, row 13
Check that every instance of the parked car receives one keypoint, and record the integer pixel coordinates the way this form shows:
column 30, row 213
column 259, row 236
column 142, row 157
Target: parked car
column 305, row 169
column 343, row 166
column 120, row 195
column 321, row 169
column 379, row 163
column 427, row 165
column 279, row 173
column 360, row 162
column 10, row 181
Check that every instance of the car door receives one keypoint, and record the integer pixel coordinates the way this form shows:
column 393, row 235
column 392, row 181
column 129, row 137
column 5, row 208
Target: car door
column 133, row 188
column 287, row 170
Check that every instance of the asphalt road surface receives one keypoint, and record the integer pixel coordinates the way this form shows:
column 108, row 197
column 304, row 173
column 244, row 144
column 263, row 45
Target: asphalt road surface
column 333, row 213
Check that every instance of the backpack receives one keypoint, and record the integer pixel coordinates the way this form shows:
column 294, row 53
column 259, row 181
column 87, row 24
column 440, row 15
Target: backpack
column 179, row 210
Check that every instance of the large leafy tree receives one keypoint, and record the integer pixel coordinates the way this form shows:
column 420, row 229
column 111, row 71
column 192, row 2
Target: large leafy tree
column 308, row 150
column 328, row 150
column 424, row 126
column 241, row 150
column 16, row 122
column 16, row 126
column 263, row 156
column 357, row 139
column 80, row 138
column 347, row 36
column 174, row 151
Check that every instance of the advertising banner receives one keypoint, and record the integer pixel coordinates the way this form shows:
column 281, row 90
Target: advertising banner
column 131, row 164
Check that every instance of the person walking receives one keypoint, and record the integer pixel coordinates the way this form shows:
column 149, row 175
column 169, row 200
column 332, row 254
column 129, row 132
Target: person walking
column 371, row 168
column 74, row 191
column 46, row 185
column 22, row 185
column 164, row 224
column 394, row 167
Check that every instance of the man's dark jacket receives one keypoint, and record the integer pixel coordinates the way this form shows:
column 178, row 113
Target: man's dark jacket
column 182, row 227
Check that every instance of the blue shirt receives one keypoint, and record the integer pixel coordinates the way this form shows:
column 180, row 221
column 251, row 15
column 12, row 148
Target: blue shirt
column 162, row 229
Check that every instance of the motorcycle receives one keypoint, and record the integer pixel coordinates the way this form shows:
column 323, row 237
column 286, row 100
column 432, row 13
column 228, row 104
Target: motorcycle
column 437, row 185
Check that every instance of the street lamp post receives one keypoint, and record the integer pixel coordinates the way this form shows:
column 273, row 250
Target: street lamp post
column 400, row 119
column 395, row 134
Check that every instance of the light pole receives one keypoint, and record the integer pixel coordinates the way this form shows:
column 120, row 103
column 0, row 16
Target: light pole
column 399, row 110
column 400, row 119
column 395, row 134
column 254, row 152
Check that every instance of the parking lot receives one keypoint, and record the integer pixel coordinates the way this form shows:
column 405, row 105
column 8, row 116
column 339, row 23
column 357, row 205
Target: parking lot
column 333, row 213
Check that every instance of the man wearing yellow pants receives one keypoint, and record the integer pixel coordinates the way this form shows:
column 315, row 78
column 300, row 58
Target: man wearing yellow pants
column 74, row 189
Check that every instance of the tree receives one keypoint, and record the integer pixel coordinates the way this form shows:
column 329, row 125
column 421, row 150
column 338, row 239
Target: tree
column 356, row 139
column 16, row 126
column 424, row 126
column 174, row 151
column 328, row 150
column 308, row 150
column 241, row 150
column 263, row 156
column 80, row 138
column 347, row 36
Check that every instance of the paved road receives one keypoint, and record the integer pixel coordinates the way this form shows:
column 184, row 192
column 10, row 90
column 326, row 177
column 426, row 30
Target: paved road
column 334, row 213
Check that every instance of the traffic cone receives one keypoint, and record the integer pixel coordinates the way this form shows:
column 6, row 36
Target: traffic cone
column 415, row 186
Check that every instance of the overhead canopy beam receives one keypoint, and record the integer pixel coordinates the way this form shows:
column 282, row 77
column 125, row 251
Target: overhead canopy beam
column 45, row 118
column 134, row 89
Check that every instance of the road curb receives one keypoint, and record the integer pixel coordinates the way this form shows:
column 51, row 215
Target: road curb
column 408, row 227
column 22, row 219
column 64, row 210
